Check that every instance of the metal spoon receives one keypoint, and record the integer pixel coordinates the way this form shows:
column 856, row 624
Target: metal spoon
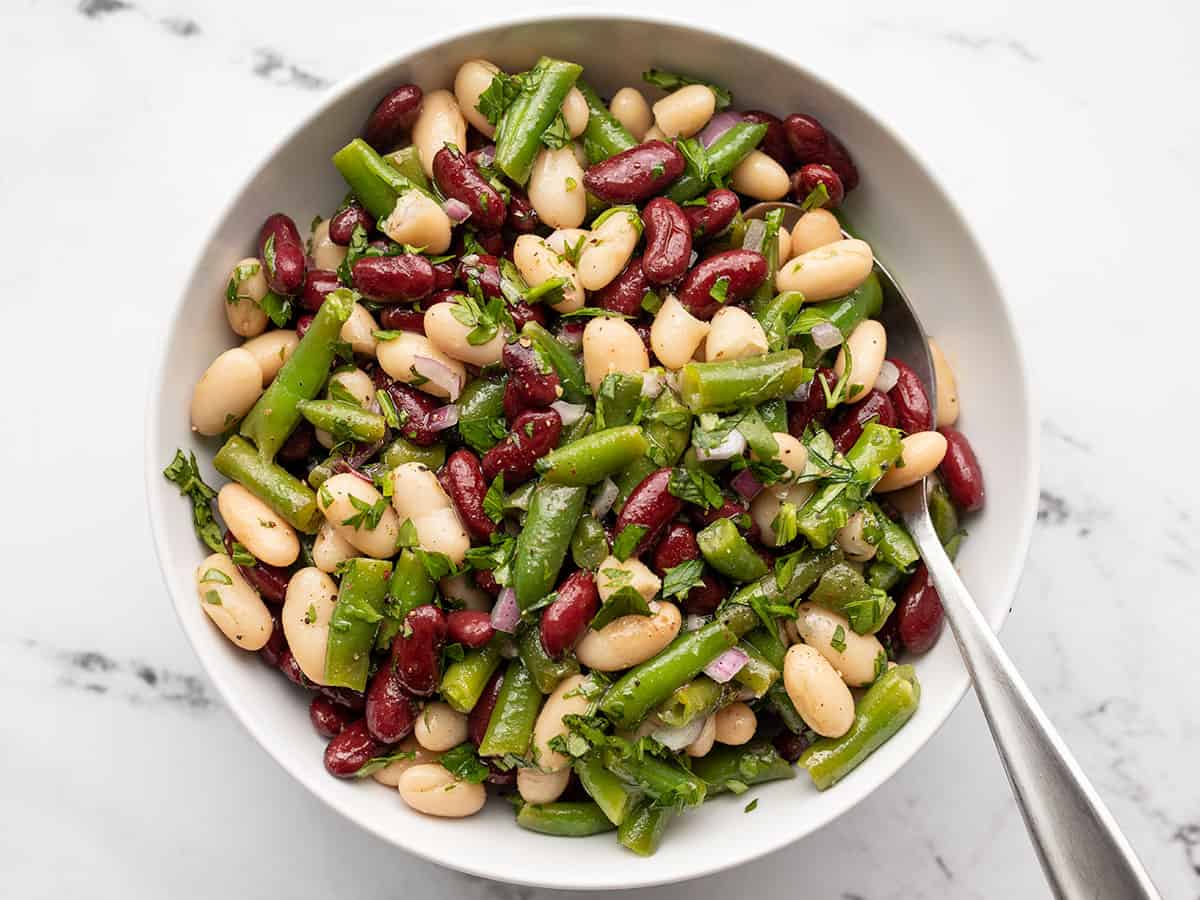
column 1082, row 851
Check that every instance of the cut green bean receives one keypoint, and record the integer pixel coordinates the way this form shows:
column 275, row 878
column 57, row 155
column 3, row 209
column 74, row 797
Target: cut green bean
column 609, row 792
column 864, row 302
column 511, row 725
column 843, row 590
column 401, row 451
column 723, row 156
column 589, row 543
column 604, row 135
column 562, row 360
column 345, row 421
column 545, row 671
column 542, row 544
column 665, row 782
column 376, row 183
column 942, row 511
column 668, row 427
column 627, row 480
column 713, row 386
column 355, row 621
column 617, row 399
column 564, row 818
column 774, row 415
column 895, row 543
column 481, row 414
column 407, row 161
column 463, row 682
column 758, row 674
column 271, row 483
column 519, row 134
column 777, row 316
column 766, row 242
column 643, row 829
column 737, row 768
column 593, row 458
column 806, row 567
column 730, row 554
column 692, row 700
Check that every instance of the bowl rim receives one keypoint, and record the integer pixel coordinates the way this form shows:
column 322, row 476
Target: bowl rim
column 852, row 793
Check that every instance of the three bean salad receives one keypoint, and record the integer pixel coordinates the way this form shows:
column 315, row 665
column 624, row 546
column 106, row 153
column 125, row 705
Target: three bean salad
column 551, row 470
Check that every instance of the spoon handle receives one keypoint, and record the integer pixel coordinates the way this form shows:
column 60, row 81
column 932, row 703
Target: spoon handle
column 1083, row 852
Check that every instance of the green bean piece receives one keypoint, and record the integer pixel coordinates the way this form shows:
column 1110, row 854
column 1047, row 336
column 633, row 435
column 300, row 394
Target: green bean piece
column 808, row 566
column 277, row 413
column 376, row 183
column 765, row 240
column 665, row 782
column 668, row 428
column 715, row 386
column 724, row 548
column 580, row 428
column 407, row 162
column 883, row 575
column 777, row 316
column 518, row 500
column 723, row 156
column 269, row 482
column 401, row 451
column 593, row 458
column 410, row 587
column 519, row 135
column 879, row 714
column 895, row 543
column 562, row 360
column 617, row 399
column 355, row 621
column 843, row 590
column 650, row 683
column 511, row 725
column 604, row 135
column 774, row 415
column 757, row 674
column 463, row 681
column 643, row 829
column 609, row 792
column 542, row 544
column 627, row 480
column 481, row 414
column 564, row 818
column 737, row 617
column 737, row 768
column 345, row 421
column 589, row 543
column 942, row 511
column 770, row 647
column 864, row 302
column 545, row 671
column 690, row 701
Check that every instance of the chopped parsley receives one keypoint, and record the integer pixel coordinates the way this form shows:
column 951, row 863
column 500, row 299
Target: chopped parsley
column 816, row 198
column 277, row 308
column 212, row 598
column 679, row 580
column 720, row 289
column 696, row 486
column 215, row 575
column 367, row 515
column 493, row 500
column 241, row 274
column 626, row 542
column 673, row 81
column 838, row 641
column 184, row 472
column 463, row 763
column 557, row 135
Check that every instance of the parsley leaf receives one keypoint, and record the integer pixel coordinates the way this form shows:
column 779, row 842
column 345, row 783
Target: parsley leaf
column 592, row 312
column 240, row 274
column 215, row 575
column 816, row 198
column 437, row 565
column 673, row 81
column 268, row 256
column 696, row 486
column 212, row 598
column 696, row 157
column 184, row 472
column 625, row 601
column 493, row 500
column 367, row 515
column 720, row 289
column 679, row 580
column 464, row 764
column 242, row 556
column 626, row 542
column 838, row 641
column 388, row 408
column 751, row 806
column 339, row 392
column 375, row 763
column 557, row 135
column 498, row 96
column 551, row 291
column 786, row 524
column 277, row 308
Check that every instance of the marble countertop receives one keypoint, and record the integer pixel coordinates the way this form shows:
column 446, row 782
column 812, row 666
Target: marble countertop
column 1071, row 143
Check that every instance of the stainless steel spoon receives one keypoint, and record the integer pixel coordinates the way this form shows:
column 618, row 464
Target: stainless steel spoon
column 1082, row 850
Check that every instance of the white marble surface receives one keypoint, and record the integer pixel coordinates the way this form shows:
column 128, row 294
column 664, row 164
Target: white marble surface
column 1071, row 140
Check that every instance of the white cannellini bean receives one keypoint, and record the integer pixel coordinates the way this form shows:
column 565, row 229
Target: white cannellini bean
column 629, row 640
column 817, row 691
column 575, row 112
column 390, row 774
column 608, row 248
column 765, row 507
column 325, row 253
column 735, row 724
column 307, row 608
column 397, row 356
column 359, row 385
column 272, row 349
column 704, row 742
column 537, row 263
column 542, row 787
column 654, row 134
column 257, row 527
column 684, row 112
column 417, row 495
column 565, row 700
column 333, row 499
column 920, row 454
column 440, row 122
column 612, row 345
column 760, row 177
column 816, row 228
column 440, row 727
column 450, row 336
column 473, row 78
column 630, row 108
column 868, row 347
column 564, row 240
column 819, row 627
column 331, row 549
column 233, row 605
column 359, row 331
column 432, row 790
column 734, row 334
column 556, row 188
column 246, row 317
column 416, row 219
column 946, row 384
column 676, row 334
column 852, row 541
column 792, row 453
column 641, row 579
column 827, row 272
column 226, row 391
column 785, row 245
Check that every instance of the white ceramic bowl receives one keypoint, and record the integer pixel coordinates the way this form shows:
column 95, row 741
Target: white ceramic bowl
column 913, row 226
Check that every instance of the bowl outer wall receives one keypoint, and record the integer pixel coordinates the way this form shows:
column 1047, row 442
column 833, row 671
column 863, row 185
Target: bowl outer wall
column 913, row 225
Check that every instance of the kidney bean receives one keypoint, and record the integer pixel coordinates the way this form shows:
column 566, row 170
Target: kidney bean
column 812, row 142
column 299, row 445
column 481, row 712
column 443, row 276
column 485, row 270
column 790, row 745
column 393, row 117
column 678, row 545
column 744, row 270
column 814, row 407
column 719, row 209
column 317, row 283
column 565, row 620
column 487, row 581
column 919, row 612
column 960, row 471
column 522, row 217
column 704, row 598
column 402, row 318
column 291, row 670
column 469, row 627
column 272, row 651
column 328, row 718
column 638, row 173
column 391, row 279
column 302, row 324
column 345, row 220
column 413, row 408
column 730, row 509
column 462, row 479
column 806, row 179
column 350, row 750
column 650, row 505
column 457, row 177
column 522, row 312
column 498, row 776
column 391, row 711
column 625, row 292
column 668, row 236
column 850, row 421
column 415, row 657
column 285, row 263
column 342, row 696
column 534, row 381
column 913, row 412
column 514, row 403
column 534, row 434
column 270, row 581
column 774, row 142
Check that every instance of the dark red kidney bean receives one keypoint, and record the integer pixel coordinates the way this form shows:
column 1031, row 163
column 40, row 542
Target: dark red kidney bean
column 462, row 479
column 790, row 745
column 719, row 209
column 402, row 318
column 443, row 276
column 328, row 718
column 668, row 235
column 351, row 750
column 485, row 270
column 704, row 598
column 624, row 293
column 344, row 221
column 272, row 651
column 838, row 158
column 806, row 179
column 302, row 324
column 960, row 471
column 291, row 670
column 342, row 696
column 677, row 546
column 481, row 712
column 744, row 269
column 393, row 279
column 913, row 412
column 415, row 657
column 919, row 612
column 514, row 402
column 522, row 312
column 448, row 295
column 529, row 375
column 393, row 117
column 730, row 509
column 534, row 434
column 774, row 142
column 565, row 620
column 317, row 283
column 814, row 407
column 457, row 177
column 850, row 422
column 497, row 775
column 391, row 711
column 284, row 265
column 270, row 581
column 638, row 173
column 299, row 445
column 811, row 142
column 486, row 580
column 650, row 505
column 469, row 627
column 413, row 407
column 522, row 217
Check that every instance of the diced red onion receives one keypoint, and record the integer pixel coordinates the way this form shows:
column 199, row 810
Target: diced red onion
column 571, row 334
column 733, row 445
column 826, row 335
column 652, row 384
column 605, row 498
column 678, row 738
column 671, row 379
column 570, row 413
column 439, row 374
column 457, row 211
column 800, row 394
column 506, row 614
column 888, row 376
column 728, row 664
column 442, row 418
column 746, row 484
column 718, row 125
column 486, row 155
column 694, row 622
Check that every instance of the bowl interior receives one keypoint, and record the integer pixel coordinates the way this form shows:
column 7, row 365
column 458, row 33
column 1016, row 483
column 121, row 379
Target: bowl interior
column 899, row 208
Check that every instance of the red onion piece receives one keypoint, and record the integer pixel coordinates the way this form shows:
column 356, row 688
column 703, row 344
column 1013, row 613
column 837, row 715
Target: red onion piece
column 486, row 156
column 442, row 418
column 718, row 125
column 693, row 622
column 570, row 413
column 571, row 334
column 455, row 210
column 746, row 484
column 888, row 376
column 678, row 738
column 800, row 394
column 437, row 373
column 733, row 445
column 725, row 666
column 506, row 614
column 826, row 335
column 605, row 498
column 652, row 384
